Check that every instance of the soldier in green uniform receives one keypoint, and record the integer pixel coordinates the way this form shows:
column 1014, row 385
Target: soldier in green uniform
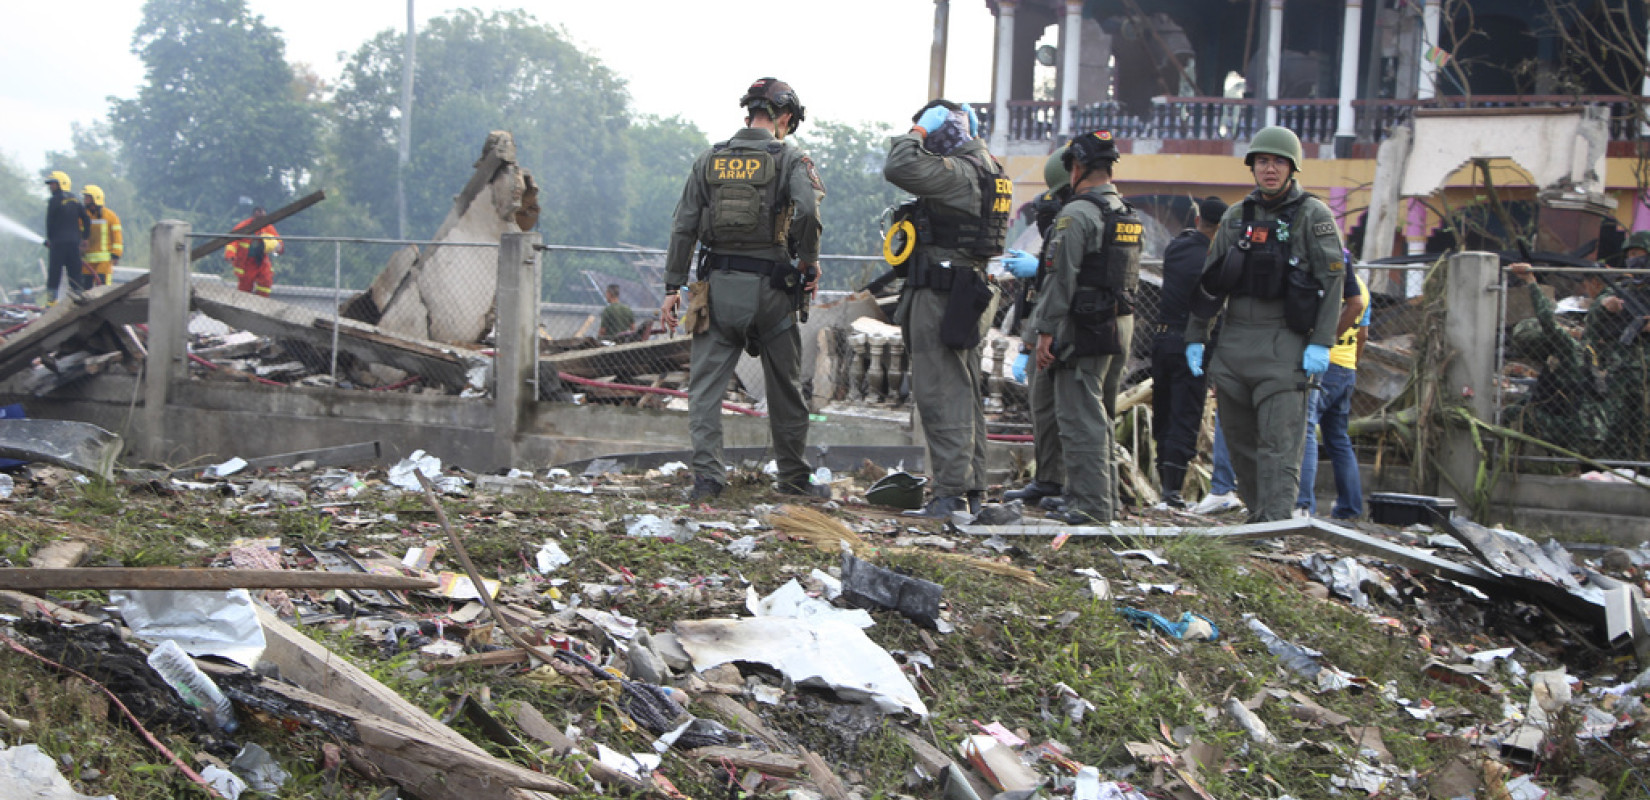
column 961, row 218
column 1565, row 406
column 1045, row 426
column 1277, row 267
column 752, row 204
column 1087, row 287
column 1617, row 335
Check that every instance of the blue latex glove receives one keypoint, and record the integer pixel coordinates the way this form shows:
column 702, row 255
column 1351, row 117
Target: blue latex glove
column 1316, row 360
column 933, row 118
column 1194, row 359
column 1019, row 263
column 974, row 126
column 1020, row 364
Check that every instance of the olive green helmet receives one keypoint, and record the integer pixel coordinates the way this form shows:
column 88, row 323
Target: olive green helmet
column 1639, row 239
column 1278, row 141
column 1054, row 170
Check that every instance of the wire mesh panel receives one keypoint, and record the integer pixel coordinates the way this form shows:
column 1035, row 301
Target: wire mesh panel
column 306, row 328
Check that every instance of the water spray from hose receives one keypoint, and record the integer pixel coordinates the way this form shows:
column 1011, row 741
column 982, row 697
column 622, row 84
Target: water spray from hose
column 18, row 229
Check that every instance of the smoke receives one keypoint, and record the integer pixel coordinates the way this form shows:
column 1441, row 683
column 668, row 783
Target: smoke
column 18, row 229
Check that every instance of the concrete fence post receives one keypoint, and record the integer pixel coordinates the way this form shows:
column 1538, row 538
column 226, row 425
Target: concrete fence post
column 1471, row 331
column 514, row 390
column 168, row 327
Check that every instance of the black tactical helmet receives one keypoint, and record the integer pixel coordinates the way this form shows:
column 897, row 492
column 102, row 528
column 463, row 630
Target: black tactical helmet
column 774, row 97
column 1092, row 149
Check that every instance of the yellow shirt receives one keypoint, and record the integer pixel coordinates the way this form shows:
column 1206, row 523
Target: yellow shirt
column 1345, row 351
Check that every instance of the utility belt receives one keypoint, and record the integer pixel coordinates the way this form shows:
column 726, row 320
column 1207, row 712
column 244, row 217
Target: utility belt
column 781, row 276
column 925, row 273
column 1093, row 317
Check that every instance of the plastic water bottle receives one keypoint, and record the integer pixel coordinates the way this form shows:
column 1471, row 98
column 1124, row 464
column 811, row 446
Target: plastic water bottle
column 196, row 689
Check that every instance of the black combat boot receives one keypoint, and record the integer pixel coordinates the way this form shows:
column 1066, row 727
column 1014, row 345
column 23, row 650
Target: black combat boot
column 940, row 508
column 1033, row 492
column 704, row 489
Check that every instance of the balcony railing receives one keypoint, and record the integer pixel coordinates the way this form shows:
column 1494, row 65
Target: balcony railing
column 1215, row 118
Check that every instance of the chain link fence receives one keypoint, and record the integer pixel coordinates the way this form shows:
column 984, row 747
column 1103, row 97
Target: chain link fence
column 1575, row 370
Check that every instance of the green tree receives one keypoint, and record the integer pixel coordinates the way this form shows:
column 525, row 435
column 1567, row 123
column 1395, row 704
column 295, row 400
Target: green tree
column 665, row 149
column 220, row 115
column 477, row 73
column 22, row 218
column 849, row 160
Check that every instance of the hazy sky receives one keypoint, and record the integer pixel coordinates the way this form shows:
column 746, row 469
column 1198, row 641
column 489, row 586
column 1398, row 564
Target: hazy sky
column 849, row 60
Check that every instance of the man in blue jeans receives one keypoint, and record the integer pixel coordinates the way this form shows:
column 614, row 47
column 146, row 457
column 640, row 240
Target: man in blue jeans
column 1222, row 494
column 1331, row 407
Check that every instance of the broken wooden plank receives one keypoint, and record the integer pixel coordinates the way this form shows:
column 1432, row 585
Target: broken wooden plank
column 830, row 786
column 735, row 712
column 631, row 358
column 533, row 723
column 307, row 663
column 781, row 764
column 496, row 658
column 410, row 745
column 26, row 603
column 61, row 323
column 31, row 579
column 80, row 446
column 60, row 554
column 213, row 245
column 447, row 366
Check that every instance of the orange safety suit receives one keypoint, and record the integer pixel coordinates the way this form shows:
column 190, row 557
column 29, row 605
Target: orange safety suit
column 254, row 275
column 104, row 245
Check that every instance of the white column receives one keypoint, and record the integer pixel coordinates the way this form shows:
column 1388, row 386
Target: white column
column 1429, row 39
column 1345, row 124
column 1274, row 57
column 1644, row 127
column 1004, row 76
column 1071, row 68
column 936, row 57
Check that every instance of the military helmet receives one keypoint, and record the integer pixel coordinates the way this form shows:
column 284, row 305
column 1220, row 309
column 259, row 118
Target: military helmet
column 1092, row 149
column 1055, row 173
column 61, row 178
column 774, row 97
column 1278, row 141
column 94, row 192
column 1639, row 239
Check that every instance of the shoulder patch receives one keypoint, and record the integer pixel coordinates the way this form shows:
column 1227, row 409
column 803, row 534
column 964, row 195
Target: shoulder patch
column 1336, row 266
column 1063, row 222
column 813, row 175
column 1323, row 228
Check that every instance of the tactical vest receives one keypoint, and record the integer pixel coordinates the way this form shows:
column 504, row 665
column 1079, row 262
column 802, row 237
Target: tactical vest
column 981, row 235
column 743, row 207
column 1116, row 265
column 1262, row 254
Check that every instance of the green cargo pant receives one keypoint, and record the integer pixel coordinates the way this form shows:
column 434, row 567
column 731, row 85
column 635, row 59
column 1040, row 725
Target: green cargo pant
column 1261, row 389
column 1045, row 426
column 743, row 306
column 946, row 386
column 1086, row 436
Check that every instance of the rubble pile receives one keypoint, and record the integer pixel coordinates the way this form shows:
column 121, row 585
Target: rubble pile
column 583, row 631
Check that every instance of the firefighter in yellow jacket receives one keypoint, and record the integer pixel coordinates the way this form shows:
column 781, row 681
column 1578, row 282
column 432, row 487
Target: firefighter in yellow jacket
column 104, row 244
column 252, row 259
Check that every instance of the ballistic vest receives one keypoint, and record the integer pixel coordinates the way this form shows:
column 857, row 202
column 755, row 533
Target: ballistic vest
column 744, row 187
column 981, row 235
column 1116, row 265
